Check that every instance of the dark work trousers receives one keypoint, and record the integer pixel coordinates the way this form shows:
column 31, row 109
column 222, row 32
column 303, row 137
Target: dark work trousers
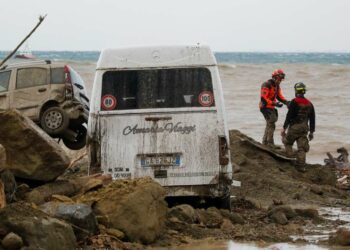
column 271, row 117
column 297, row 133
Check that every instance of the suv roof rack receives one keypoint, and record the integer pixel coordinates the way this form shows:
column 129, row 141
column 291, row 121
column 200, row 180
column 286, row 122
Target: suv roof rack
column 33, row 62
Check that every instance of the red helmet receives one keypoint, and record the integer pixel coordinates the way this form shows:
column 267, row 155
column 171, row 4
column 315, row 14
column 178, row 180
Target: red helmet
column 278, row 73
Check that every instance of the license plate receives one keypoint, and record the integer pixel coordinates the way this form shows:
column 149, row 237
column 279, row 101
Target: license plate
column 160, row 160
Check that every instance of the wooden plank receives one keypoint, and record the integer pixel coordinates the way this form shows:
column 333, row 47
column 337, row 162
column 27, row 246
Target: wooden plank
column 273, row 152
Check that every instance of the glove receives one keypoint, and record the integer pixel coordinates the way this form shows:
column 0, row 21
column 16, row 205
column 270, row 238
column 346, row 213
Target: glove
column 288, row 103
column 278, row 104
column 311, row 136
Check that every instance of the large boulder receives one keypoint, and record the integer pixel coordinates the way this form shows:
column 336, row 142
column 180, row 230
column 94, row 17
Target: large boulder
column 30, row 152
column 135, row 207
column 36, row 228
column 80, row 215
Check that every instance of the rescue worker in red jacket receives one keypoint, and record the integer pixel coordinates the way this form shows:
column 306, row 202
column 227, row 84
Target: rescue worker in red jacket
column 299, row 121
column 270, row 93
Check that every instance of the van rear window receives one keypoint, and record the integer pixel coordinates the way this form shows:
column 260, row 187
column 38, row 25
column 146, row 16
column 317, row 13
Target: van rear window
column 157, row 88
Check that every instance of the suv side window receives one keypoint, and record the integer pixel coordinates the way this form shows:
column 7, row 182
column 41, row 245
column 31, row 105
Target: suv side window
column 4, row 80
column 57, row 75
column 30, row 77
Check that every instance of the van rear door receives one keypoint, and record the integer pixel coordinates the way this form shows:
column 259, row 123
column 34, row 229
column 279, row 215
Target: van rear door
column 161, row 123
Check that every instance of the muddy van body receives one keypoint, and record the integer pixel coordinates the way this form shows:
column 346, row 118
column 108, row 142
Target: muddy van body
column 159, row 112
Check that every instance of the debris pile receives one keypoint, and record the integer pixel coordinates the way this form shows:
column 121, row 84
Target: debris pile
column 341, row 167
column 68, row 209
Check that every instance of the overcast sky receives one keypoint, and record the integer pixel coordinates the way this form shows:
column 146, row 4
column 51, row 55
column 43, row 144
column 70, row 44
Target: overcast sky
column 225, row 25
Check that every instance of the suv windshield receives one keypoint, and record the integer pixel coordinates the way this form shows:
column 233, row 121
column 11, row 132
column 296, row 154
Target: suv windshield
column 157, row 88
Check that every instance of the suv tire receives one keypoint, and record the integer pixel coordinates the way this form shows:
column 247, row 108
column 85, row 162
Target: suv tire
column 80, row 139
column 54, row 120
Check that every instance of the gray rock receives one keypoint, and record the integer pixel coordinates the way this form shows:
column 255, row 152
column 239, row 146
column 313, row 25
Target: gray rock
column 30, row 152
column 279, row 217
column 233, row 217
column 308, row 213
column 43, row 193
column 22, row 189
column 80, row 215
column 10, row 185
column 341, row 237
column 287, row 210
column 12, row 242
column 37, row 229
column 226, row 226
column 184, row 213
column 211, row 217
column 316, row 190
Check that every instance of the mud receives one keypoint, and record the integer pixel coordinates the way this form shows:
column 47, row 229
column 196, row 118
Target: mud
column 266, row 180
column 275, row 203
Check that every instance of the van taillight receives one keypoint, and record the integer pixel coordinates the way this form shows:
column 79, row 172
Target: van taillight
column 223, row 151
column 68, row 82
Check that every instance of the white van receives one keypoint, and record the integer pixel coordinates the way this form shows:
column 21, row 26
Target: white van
column 159, row 112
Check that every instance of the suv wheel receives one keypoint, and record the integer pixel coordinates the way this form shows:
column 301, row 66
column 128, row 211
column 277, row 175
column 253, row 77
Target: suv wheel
column 54, row 120
column 80, row 140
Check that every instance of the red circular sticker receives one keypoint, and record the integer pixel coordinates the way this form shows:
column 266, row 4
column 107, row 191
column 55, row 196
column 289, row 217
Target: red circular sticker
column 206, row 98
column 108, row 102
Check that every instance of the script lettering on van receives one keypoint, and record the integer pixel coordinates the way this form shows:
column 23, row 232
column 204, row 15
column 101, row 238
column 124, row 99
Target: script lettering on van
column 169, row 127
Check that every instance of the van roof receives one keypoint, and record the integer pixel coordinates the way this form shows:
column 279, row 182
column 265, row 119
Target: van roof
column 155, row 57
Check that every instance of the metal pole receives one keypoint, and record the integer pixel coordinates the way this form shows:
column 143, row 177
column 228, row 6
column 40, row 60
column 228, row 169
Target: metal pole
column 41, row 19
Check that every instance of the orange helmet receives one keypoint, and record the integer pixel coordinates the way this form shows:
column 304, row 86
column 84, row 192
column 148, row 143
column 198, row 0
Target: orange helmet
column 278, row 73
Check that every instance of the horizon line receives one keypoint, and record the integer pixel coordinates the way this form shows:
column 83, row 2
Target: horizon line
column 221, row 51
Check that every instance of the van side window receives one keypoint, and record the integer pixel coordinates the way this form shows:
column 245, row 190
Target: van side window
column 4, row 80
column 158, row 88
column 57, row 75
column 30, row 77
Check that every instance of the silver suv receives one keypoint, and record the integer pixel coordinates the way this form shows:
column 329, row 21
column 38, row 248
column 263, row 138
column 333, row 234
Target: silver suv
column 51, row 94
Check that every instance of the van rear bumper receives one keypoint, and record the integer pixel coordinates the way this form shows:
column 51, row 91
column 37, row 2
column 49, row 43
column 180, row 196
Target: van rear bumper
column 212, row 191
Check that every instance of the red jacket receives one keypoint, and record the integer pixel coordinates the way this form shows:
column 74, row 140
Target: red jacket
column 270, row 91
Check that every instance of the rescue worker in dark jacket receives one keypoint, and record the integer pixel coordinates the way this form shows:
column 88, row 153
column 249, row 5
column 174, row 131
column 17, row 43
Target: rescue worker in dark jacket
column 270, row 93
column 299, row 121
